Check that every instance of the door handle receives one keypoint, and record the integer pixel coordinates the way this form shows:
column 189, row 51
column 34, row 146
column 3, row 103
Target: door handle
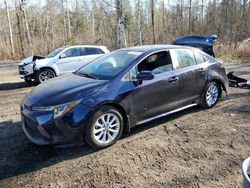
column 173, row 79
column 202, row 70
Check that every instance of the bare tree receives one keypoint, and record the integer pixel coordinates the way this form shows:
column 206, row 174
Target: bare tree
column 22, row 7
column 189, row 16
column 68, row 21
column 138, row 23
column 64, row 24
column 113, row 24
column 10, row 29
column 122, row 42
column 152, row 5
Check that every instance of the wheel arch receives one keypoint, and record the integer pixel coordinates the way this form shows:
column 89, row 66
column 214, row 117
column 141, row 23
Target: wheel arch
column 121, row 109
column 42, row 68
column 220, row 83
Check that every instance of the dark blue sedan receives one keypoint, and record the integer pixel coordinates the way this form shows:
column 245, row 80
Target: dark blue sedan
column 118, row 91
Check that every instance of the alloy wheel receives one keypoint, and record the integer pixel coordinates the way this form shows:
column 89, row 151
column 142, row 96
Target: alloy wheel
column 46, row 75
column 212, row 95
column 106, row 128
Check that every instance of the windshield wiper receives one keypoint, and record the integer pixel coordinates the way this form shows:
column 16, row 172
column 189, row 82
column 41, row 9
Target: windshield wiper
column 85, row 75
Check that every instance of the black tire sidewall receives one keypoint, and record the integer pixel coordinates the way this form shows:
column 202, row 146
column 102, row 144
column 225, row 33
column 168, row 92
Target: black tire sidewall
column 89, row 137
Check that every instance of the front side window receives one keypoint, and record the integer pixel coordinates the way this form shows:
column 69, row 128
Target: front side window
column 200, row 58
column 55, row 52
column 185, row 58
column 157, row 63
column 72, row 52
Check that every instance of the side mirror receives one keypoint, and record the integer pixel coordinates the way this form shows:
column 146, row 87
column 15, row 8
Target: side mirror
column 145, row 75
column 62, row 56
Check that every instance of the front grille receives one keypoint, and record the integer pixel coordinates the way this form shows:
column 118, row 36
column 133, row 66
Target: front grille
column 20, row 66
column 27, row 107
column 22, row 72
column 21, row 69
column 31, row 129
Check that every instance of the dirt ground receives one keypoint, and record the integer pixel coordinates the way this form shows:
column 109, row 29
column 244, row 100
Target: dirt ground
column 193, row 148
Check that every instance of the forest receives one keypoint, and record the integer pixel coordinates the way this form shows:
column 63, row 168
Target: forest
column 38, row 27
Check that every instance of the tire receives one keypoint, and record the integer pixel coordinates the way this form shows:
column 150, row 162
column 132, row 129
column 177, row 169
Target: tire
column 98, row 132
column 211, row 95
column 44, row 74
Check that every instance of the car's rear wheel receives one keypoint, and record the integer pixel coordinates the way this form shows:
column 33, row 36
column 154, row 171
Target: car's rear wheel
column 104, row 128
column 44, row 74
column 211, row 95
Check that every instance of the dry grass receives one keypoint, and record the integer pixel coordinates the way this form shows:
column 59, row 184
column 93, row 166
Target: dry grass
column 243, row 49
column 233, row 52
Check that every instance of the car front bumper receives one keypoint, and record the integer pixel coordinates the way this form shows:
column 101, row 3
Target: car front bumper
column 26, row 72
column 42, row 129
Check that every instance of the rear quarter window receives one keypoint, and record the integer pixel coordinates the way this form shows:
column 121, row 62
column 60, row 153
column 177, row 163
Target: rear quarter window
column 92, row 51
column 200, row 58
column 185, row 58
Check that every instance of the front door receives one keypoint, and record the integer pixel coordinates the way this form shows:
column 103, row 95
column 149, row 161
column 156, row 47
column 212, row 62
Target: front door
column 70, row 62
column 159, row 95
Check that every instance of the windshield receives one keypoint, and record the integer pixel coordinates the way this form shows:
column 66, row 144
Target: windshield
column 108, row 66
column 55, row 52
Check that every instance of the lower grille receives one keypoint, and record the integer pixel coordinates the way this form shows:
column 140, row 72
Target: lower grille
column 21, row 69
column 31, row 127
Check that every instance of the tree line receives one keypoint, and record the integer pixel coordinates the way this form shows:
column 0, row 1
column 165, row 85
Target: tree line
column 28, row 29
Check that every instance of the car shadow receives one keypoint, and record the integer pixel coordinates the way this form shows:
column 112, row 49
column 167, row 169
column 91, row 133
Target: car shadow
column 19, row 156
column 164, row 119
column 16, row 85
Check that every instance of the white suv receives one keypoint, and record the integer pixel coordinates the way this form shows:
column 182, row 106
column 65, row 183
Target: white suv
column 58, row 62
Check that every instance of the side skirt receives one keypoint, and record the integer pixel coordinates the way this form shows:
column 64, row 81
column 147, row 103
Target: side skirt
column 165, row 114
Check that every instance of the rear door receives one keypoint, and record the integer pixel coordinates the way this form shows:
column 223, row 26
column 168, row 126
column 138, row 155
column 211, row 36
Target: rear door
column 89, row 54
column 192, row 76
column 159, row 95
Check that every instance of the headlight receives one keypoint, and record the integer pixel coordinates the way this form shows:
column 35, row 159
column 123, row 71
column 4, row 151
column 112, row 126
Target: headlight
column 58, row 110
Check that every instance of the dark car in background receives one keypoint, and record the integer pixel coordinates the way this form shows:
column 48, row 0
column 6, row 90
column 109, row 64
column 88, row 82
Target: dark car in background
column 120, row 90
column 203, row 43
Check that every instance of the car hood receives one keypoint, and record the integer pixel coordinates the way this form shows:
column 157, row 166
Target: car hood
column 45, row 61
column 26, row 61
column 30, row 59
column 66, row 88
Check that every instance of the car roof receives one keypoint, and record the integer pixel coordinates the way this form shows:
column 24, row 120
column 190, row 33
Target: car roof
column 95, row 46
column 146, row 48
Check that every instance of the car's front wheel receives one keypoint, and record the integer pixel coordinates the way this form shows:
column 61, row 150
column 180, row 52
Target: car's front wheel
column 44, row 74
column 104, row 128
column 211, row 95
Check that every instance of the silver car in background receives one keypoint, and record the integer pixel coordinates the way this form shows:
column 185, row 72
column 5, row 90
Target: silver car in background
column 62, row 60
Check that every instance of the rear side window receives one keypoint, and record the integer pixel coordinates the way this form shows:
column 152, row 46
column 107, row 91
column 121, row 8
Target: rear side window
column 185, row 58
column 72, row 52
column 91, row 51
column 200, row 58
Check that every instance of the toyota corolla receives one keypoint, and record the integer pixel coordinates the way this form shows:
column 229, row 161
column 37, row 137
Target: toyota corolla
column 118, row 91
